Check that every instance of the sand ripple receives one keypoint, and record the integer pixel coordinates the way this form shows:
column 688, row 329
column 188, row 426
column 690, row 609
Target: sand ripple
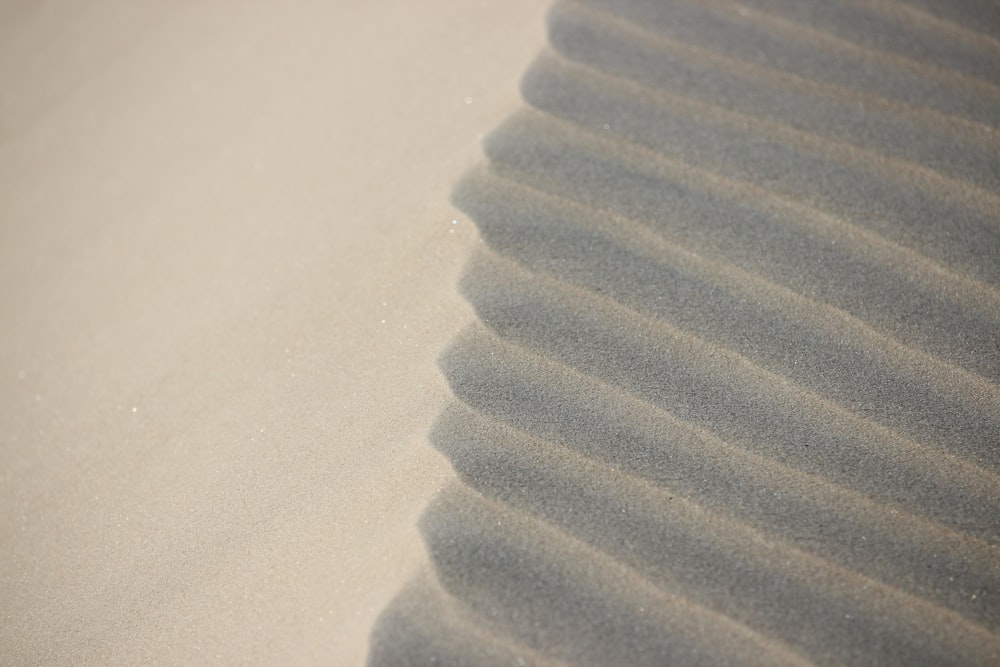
column 733, row 396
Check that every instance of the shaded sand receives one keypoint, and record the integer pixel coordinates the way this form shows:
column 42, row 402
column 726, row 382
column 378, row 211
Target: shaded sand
column 733, row 396
column 227, row 266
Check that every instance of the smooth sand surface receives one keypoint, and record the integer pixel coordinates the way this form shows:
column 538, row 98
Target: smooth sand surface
column 227, row 266
column 733, row 395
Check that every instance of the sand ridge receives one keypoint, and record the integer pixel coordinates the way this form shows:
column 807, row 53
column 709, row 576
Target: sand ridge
column 732, row 393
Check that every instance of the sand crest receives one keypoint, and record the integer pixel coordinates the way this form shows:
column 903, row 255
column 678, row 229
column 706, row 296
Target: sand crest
column 733, row 395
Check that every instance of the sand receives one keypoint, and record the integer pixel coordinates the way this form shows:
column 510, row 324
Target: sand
column 227, row 267
column 700, row 365
column 733, row 395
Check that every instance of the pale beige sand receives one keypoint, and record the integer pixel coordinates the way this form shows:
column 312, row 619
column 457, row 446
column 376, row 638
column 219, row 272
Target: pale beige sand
column 227, row 265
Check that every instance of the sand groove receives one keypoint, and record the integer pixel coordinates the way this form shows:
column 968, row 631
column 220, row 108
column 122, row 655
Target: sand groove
column 809, row 49
column 758, row 98
column 850, row 527
column 830, row 38
column 636, row 138
column 787, row 242
column 670, row 538
column 487, row 195
column 734, row 392
column 685, row 59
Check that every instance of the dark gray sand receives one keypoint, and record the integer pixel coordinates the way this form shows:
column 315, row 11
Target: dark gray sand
column 734, row 393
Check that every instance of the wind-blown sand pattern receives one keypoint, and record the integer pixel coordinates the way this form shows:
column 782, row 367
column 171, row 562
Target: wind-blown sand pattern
column 734, row 392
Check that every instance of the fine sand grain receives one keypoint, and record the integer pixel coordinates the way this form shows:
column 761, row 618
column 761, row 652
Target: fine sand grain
column 733, row 395
column 227, row 266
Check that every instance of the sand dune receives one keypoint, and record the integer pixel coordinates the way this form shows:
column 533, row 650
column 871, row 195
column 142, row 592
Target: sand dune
column 733, row 396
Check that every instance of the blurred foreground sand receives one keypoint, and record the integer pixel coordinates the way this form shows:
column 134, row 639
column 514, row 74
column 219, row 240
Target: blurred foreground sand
column 227, row 265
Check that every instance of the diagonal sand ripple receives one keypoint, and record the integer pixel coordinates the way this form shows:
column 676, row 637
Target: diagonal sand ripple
column 733, row 396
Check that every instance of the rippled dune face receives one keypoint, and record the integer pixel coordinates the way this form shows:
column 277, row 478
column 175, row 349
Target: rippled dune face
column 733, row 395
